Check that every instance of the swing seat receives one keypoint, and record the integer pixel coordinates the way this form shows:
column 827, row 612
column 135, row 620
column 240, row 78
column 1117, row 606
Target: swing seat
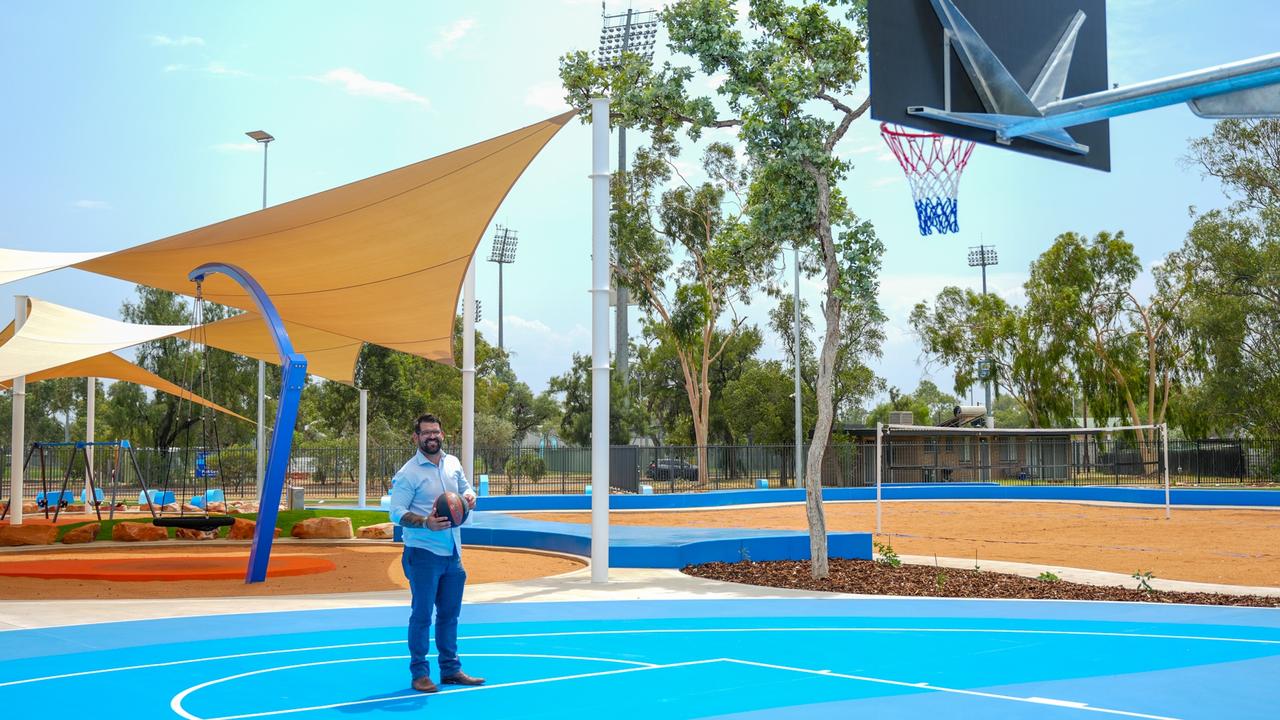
column 195, row 523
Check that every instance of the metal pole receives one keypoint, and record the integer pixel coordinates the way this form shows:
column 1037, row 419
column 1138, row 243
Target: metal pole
column 469, row 369
column 364, row 447
column 799, row 407
column 90, row 411
column 1164, row 435
column 622, row 347
column 879, row 435
column 17, row 440
column 986, row 384
column 599, row 340
column 262, row 368
column 464, row 312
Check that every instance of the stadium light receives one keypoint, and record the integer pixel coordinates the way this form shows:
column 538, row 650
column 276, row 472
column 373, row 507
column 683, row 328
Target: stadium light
column 634, row 32
column 503, row 253
column 982, row 256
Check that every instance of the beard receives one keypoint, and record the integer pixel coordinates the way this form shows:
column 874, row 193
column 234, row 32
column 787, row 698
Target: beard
column 430, row 446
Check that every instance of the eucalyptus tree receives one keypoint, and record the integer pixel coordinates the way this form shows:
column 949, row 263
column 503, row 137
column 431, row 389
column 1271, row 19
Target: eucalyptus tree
column 785, row 86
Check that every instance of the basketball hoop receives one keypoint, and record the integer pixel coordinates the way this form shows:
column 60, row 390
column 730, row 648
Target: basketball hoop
column 933, row 164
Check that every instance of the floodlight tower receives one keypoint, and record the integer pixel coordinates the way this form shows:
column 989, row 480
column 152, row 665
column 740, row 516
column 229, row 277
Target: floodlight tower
column 503, row 252
column 635, row 33
column 982, row 256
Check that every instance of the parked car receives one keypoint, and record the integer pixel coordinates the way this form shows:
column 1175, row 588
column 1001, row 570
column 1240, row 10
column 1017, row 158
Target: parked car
column 671, row 469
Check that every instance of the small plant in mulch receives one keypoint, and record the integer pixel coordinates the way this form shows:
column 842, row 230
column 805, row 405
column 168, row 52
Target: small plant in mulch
column 1048, row 577
column 940, row 576
column 976, row 566
column 1144, row 580
column 888, row 556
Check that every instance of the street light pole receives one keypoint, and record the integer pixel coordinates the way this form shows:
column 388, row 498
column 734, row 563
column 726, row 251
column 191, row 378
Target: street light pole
column 263, row 138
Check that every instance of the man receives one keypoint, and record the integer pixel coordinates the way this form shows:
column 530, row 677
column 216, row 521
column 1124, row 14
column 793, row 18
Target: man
column 431, row 560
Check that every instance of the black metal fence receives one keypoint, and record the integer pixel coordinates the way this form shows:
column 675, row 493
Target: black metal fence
column 332, row 474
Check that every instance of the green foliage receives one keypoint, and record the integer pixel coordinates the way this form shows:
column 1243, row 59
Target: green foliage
column 1048, row 577
column 888, row 556
column 575, row 425
column 1144, row 580
column 526, row 465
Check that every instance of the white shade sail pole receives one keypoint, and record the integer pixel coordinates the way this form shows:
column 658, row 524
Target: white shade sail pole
column 364, row 448
column 90, row 411
column 469, row 373
column 18, row 440
column 599, row 340
column 879, row 463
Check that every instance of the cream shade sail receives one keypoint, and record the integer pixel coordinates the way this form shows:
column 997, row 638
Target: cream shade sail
column 18, row 264
column 54, row 335
column 328, row 355
column 362, row 260
column 114, row 367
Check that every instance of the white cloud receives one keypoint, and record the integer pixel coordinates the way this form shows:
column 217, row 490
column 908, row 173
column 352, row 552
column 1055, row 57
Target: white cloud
column 451, row 35
column 174, row 68
column 218, row 68
column 92, row 204
column 547, row 96
column 182, row 41
column 885, row 181
column 716, row 80
column 236, row 147
column 357, row 84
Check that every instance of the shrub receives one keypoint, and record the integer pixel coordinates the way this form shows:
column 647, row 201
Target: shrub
column 526, row 465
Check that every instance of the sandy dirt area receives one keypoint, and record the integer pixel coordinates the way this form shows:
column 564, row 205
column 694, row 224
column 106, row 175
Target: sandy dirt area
column 1236, row 547
column 359, row 568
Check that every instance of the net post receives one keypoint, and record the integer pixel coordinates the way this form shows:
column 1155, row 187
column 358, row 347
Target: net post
column 879, row 464
column 1164, row 440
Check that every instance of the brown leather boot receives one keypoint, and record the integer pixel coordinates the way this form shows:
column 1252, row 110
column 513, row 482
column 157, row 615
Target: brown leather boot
column 424, row 684
column 461, row 678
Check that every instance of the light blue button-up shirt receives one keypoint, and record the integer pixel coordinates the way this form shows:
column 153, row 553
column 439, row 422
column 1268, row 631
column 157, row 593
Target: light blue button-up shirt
column 415, row 489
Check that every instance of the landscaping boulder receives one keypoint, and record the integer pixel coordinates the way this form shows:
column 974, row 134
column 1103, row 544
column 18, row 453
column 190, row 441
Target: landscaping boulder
column 138, row 532
column 189, row 508
column 243, row 530
column 217, row 507
column 27, row 507
column 194, row 534
column 323, row 527
column 28, row 534
column 83, row 534
column 171, row 507
column 381, row 531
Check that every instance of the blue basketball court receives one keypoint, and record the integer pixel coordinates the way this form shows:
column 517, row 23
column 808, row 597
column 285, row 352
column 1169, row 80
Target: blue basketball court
column 819, row 658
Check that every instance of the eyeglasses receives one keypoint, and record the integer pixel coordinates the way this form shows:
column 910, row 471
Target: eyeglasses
column 430, row 433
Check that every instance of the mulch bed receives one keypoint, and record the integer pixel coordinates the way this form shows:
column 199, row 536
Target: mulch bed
column 868, row 577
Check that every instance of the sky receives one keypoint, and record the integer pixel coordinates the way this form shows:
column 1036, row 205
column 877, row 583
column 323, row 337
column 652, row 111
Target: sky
column 125, row 123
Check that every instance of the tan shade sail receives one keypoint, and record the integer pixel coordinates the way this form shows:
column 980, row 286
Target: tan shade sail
column 54, row 335
column 114, row 367
column 328, row 355
column 18, row 264
column 363, row 260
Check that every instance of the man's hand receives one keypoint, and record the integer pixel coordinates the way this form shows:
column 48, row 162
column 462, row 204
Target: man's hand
column 471, row 500
column 435, row 522
column 430, row 522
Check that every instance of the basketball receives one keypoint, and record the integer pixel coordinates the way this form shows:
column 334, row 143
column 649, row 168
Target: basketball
column 451, row 506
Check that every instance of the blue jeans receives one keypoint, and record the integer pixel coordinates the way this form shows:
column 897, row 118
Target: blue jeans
column 436, row 582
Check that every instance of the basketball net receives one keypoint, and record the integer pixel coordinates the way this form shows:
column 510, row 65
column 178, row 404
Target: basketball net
column 933, row 164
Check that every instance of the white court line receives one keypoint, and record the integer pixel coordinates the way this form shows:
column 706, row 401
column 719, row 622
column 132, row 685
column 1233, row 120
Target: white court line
column 176, row 703
column 995, row 696
column 651, row 631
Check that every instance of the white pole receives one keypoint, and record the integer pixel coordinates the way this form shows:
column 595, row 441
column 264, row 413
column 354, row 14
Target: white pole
column 1164, row 436
column 795, row 302
column 18, row 441
column 89, row 412
column 879, row 434
column 364, row 447
column 262, row 426
column 599, row 340
column 469, row 372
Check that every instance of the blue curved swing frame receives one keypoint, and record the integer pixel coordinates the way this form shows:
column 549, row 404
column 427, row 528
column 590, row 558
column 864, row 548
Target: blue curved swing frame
column 293, row 376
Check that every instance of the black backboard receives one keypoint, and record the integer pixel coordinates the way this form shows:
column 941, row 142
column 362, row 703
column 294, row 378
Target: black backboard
column 907, row 65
